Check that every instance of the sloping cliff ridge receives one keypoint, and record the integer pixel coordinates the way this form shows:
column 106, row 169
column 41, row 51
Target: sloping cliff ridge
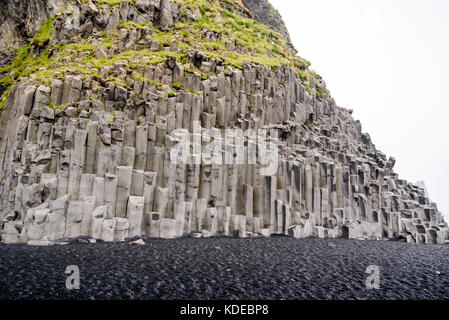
column 94, row 102
column 263, row 11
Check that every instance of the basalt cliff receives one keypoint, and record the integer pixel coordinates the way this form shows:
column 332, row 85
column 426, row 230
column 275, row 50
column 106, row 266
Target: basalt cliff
column 172, row 117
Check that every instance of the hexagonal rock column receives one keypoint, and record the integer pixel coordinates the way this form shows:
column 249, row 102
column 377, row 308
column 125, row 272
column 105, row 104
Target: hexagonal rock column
column 161, row 200
column 121, row 230
column 153, row 221
column 150, row 179
column 224, row 216
column 179, row 215
column 98, row 191
column 110, row 193
column 137, row 183
column 88, row 206
column 77, row 162
column 107, row 230
column 123, row 190
column 86, row 185
column 248, row 206
column 269, row 203
column 74, row 218
column 188, row 217
column 12, row 231
column 200, row 213
column 56, row 220
column 135, row 215
column 241, row 226
column 168, row 228
column 211, row 221
column 97, row 218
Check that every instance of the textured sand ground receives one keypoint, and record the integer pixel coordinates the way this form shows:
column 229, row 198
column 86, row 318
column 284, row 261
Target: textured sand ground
column 221, row 268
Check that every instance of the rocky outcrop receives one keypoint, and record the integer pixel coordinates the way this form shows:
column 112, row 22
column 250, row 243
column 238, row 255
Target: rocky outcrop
column 164, row 140
column 20, row 20
column 263, row 11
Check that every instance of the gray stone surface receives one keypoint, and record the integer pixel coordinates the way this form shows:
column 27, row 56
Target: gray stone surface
column 94, row 158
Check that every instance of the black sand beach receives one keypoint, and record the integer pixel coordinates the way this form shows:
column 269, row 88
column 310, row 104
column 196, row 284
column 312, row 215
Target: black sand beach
column 223, row 268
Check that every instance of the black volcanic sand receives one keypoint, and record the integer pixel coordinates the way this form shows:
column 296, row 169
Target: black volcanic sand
column 225, row 268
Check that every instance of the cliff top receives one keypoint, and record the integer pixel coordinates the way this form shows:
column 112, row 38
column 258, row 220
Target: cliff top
column 220, row 29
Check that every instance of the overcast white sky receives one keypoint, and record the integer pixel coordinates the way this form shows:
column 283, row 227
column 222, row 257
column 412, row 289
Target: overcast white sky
column 389, row 61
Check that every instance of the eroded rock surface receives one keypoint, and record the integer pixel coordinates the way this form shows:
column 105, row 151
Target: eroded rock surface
column 263, row 11
column 86, row 148
column 20, row 20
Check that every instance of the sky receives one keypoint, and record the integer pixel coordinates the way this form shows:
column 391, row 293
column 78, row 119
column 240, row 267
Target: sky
column 388, row 60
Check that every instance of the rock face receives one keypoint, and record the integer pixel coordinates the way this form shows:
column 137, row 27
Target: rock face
column 148, row 135
column 263, row 11
column 20, row 20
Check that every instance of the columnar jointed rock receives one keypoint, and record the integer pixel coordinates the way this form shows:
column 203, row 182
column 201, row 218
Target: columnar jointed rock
column 84, row 157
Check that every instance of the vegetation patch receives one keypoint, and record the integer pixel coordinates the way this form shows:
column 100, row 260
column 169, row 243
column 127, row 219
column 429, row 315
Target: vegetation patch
column 27, row 60
column 237, row 39
column 42, row 38
column 177, row 86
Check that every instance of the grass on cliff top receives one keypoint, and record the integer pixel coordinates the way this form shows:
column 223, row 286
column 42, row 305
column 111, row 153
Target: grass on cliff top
column 110, row 2
column 266, row 46
column 24, row 58
column 211, row 5
column 263, row 45
column 191, row 4
column 25, row 62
